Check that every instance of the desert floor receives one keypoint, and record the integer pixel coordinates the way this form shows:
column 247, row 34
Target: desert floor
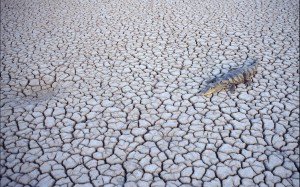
column 106, row 93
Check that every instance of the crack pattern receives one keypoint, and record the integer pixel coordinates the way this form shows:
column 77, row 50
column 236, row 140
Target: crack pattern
column 105, row 93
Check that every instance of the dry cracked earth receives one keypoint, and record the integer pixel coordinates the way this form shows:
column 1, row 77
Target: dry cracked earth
column 106, row 93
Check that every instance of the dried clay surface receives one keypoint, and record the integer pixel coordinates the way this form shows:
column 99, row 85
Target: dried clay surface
column 104, row 93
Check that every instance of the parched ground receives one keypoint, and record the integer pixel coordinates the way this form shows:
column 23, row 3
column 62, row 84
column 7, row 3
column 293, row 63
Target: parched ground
column 104, row 93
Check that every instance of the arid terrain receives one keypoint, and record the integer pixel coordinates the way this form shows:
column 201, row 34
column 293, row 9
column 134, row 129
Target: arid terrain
column 106, row 93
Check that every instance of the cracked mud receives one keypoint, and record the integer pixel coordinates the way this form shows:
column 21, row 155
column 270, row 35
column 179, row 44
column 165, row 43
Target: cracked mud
column 104, row 93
